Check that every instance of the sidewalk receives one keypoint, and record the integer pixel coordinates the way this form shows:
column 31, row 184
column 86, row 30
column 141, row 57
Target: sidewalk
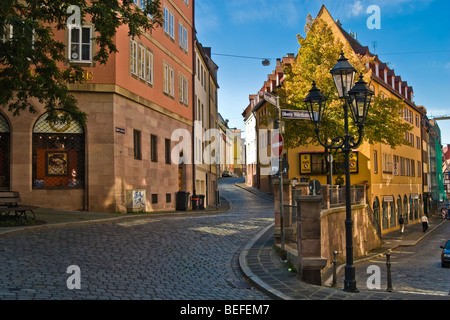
column 262, row 265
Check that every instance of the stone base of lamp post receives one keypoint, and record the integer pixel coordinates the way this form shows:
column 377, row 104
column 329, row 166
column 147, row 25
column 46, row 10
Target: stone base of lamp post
column 310, row 260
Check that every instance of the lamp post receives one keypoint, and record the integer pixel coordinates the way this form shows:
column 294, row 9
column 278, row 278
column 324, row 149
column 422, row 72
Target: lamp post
column 358, row 99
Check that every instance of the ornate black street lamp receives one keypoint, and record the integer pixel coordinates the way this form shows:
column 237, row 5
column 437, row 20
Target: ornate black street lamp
column 359, row 99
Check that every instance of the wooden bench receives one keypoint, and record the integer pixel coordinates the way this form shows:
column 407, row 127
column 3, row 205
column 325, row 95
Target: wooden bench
column 10, row 202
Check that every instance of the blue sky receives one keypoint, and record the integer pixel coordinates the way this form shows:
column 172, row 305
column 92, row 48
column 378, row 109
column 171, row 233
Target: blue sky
column 414, row 38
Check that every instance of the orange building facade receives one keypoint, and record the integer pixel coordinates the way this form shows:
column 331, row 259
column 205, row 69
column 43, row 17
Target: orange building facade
column 121, row 159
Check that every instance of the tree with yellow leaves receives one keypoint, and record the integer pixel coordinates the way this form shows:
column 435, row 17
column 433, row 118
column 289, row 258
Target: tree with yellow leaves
column 317, row 55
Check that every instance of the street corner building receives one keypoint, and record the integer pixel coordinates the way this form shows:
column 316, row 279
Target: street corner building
column 120, row 160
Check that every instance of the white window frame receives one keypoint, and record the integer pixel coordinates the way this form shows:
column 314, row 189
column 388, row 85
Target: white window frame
column 80, row 44
column 183, row 89
column 169, row 20
column 134, row 57
column 141, row 62
column 168, row 79
column 183, row 37
column 149, row 67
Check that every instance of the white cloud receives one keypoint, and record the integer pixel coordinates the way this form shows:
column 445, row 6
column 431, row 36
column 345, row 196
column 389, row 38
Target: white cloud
column 357, row 8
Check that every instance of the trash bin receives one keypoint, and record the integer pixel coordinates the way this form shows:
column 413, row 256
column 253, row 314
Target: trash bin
column 201, row 201
column 195, row 202
column 182, row 200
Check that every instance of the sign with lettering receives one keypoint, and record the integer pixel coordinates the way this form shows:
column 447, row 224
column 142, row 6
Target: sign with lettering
column 305, row 163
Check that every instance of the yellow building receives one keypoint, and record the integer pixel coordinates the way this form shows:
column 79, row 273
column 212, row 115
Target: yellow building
column 393, row 177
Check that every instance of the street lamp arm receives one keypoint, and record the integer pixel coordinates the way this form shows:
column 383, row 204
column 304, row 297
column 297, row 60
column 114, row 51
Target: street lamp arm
column 336, row 144
column 351, row 139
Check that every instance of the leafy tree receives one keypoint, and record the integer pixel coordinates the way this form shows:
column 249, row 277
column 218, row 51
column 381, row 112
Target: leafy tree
column 33, row 64
column 317, row 55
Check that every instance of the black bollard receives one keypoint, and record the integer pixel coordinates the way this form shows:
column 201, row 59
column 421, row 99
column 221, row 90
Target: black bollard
column 388, row 266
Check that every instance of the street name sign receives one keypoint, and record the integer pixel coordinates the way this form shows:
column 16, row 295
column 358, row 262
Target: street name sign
column 295, row 114
column 270, row 98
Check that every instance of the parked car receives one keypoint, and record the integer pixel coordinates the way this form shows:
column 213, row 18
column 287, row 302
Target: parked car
column 445, row 255
column 227, row 173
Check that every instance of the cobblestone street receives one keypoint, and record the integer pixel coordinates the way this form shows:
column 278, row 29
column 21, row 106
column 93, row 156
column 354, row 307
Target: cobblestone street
column 162, row 257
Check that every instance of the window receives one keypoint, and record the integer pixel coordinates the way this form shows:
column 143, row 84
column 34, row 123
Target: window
column 183, row 90
column 154, row 198
column 169, row 23
column 202, row 74
column 19, row 30
column 167, row 150
column 375, row 161
column 316, row 163
column 58, row 153
column 133, row 57
column 149, row 67
column 168, row 198
column 137, row 144
column 413, row 168
column 407, row 168
column 141, row 4
column 418, row 142
column 402, row 166
column 141, row 62
column 183, row 36
column 154, row 148
column 396, row 171
column 168, row 79
column 80, row 48
column 198, row 69
column 419, row 169
column 387, row 163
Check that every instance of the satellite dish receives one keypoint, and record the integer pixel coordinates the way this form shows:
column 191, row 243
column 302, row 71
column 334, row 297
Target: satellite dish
column 266, row 62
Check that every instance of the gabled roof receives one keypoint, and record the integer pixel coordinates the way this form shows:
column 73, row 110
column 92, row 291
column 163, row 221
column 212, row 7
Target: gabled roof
column 364, row 50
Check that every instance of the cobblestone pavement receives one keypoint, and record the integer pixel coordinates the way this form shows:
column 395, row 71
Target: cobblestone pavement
column 164, row 257
column 414, row 269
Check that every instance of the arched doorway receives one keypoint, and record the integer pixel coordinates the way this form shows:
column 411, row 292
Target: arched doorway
column 385, row 215
column 405, row 208
column 399, row 207
column 392, row 214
